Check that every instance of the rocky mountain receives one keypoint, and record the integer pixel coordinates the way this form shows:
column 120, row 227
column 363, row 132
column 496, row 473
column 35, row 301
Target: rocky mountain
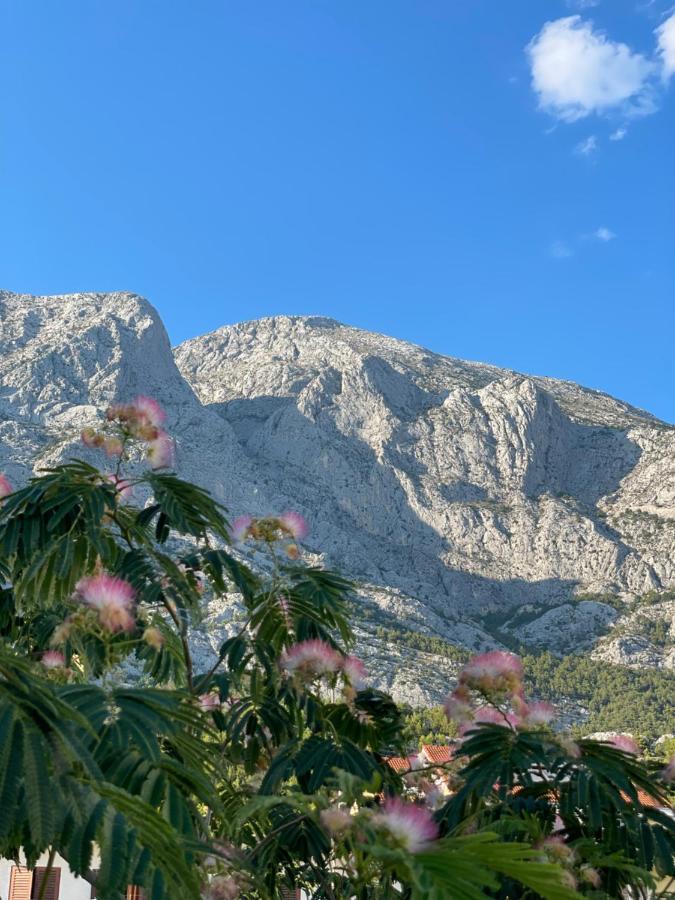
column 471, row 503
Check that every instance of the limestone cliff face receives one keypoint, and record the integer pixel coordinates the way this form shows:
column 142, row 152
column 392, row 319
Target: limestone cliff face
column 471, row 502
column 488, row 500
column 63, row 359
column 466, row 484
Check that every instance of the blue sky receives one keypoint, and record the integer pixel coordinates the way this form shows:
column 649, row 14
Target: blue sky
column 407, row 167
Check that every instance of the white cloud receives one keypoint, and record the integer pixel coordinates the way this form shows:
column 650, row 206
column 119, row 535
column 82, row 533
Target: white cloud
column 619, row 134
column 665, row 39
column 577, row 71
column 604, row 234
column 587, row 146
column 560, row 250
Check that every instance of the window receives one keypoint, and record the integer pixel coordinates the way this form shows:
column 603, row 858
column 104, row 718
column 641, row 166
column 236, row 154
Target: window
column 20, row 883
column 26, row 884
column 53, row 878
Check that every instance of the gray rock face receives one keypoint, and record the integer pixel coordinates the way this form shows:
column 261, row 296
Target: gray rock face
column 466, row 485
column 471, row 502
column 565, row 628
column 643, row 637
column 63, row 359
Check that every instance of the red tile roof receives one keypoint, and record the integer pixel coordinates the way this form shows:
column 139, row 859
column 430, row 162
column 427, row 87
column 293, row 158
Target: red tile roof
column 435, row 754
column 438, row 753
column 398, row 763
column 549, row 795
column 645, row 799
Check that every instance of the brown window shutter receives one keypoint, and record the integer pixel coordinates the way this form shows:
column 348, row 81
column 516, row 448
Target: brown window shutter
column 92, row 875
column 20, row 882
column 53, row 877
column 134, row 892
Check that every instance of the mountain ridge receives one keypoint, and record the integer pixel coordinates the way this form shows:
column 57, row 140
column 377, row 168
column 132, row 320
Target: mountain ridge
column 470, row 502
column 479, row 367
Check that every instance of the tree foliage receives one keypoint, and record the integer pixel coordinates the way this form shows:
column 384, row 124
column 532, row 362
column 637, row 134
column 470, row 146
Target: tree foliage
column 268, row 769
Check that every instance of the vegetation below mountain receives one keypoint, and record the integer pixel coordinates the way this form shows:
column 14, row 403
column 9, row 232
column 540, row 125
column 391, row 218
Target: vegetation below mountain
column 615, row 698
column 429, row 725
column 598, row 695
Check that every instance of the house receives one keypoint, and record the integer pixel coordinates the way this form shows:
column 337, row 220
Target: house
column 20, row 883
column 436, row 754
column 400, row 764
column 429, row 755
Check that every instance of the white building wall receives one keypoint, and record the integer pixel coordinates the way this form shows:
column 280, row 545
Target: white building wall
column 71, row 888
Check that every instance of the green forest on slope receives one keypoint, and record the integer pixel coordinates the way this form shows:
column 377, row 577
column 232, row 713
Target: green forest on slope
column 598, row 695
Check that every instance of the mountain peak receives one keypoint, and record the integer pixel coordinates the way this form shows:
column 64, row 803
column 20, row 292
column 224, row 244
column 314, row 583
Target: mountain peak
column 300, row 343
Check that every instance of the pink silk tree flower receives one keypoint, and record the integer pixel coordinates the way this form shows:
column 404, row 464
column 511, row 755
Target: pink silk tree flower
column 335, row 820
column 112, row 598
column 312, row 657
column 495, row 664
column 160, row 451
column 240, row 527
column 354, row 671
column 53, row 659
column 626, row 743
column 494, row 671
column 539, row 713
column 153, row 637
column 488, row 715
column 556, row 848
column 5, row 487
column 113, row 446
column 124, row 488
column 294, row 524
column 458, row 708
column 149, row 411
column 91, row 438
column 209, row 702
column 412, row 826
column 117, row 411
column 592, row 876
